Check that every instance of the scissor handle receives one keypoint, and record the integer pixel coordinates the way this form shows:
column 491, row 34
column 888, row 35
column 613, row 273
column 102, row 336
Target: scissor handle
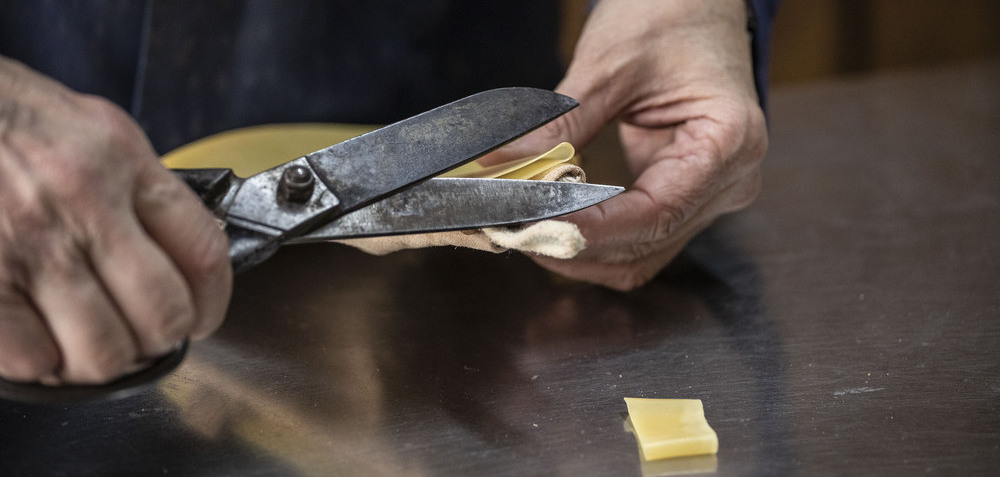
column 248, row 245
column 212, row 185
column 124, row 386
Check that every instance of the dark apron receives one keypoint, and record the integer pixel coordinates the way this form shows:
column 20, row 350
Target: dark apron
column 186, row 69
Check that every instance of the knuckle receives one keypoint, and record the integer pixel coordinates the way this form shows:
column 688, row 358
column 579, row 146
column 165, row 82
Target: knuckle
column 664, row 216
column 562, row 127
column 68, row 180
column 627, row 253
column 668, row 219
column 42, row 244
column 108, row 116
column 76, row 187
column 571, row 127
column 116, row 131
column 24, row 213
column 158, row 195
column 58, row 256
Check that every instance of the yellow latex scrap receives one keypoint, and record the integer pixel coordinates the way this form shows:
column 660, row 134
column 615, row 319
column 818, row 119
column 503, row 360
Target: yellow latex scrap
column 668, row 428
column 532, row 167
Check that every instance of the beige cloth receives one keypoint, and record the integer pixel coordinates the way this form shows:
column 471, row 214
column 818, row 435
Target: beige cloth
column 250, row 150
column 552, row 238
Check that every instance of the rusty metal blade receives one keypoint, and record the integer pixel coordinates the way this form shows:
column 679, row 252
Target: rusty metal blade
column 456, row 204
column 374, row 165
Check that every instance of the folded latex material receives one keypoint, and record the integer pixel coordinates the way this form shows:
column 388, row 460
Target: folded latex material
column 248, row 151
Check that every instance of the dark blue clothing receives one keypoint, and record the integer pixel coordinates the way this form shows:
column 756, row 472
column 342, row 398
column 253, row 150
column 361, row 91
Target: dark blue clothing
column 189, row 68
column 762, row 20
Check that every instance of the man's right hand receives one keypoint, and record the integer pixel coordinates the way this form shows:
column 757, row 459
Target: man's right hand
column 106, row 259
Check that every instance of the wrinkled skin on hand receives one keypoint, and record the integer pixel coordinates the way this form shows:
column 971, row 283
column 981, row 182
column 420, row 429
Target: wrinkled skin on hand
column 678, row 77
column 106, row 260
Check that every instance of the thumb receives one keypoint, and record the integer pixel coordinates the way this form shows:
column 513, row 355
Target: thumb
column 576, row 127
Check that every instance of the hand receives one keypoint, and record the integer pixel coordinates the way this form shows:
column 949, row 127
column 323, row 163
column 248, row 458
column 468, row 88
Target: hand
column 106, row 260
column 678, row 77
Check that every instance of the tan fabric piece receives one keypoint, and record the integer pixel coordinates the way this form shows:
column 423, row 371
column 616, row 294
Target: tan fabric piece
column 552, row 238
column 475, row 239
column 254, row 149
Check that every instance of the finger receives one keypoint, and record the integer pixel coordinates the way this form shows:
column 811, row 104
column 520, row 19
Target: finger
column 144, row 284
column 663, row 198
column 94, row 342
column 626, row 267
column 576, row 127
column 628, row 234
column 623, row 263
column 622, row 276
column 27, row 350
column 189, row 235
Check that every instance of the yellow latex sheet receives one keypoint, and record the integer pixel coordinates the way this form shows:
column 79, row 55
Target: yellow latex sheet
column 250, row 150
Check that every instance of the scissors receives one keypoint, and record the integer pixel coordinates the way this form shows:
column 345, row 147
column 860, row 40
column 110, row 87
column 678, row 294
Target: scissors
column 379, row 183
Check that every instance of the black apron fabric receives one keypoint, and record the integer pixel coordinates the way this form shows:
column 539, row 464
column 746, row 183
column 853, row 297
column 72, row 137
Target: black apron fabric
column 189, row 68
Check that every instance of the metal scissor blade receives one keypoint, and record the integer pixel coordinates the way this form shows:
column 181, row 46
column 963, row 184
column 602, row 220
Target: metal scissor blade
column 455, row 204
column 372, row 166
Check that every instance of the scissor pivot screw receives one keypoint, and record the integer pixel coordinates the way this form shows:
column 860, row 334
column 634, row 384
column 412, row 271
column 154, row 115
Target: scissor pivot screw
column 296, row 184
